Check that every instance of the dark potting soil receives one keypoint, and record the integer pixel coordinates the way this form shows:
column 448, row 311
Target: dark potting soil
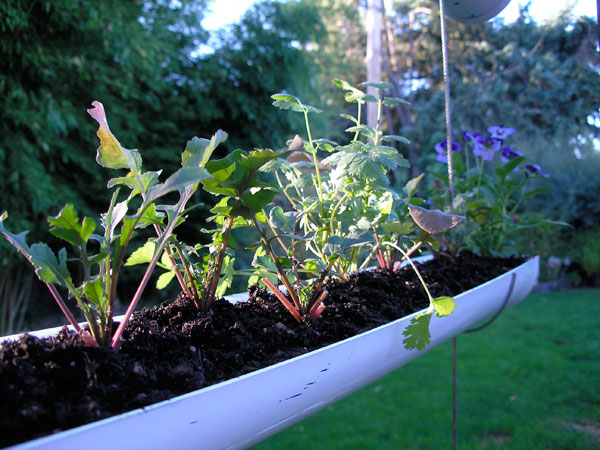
column 52, row 384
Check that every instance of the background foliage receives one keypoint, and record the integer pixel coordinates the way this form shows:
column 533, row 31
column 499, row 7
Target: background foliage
column 140, row 59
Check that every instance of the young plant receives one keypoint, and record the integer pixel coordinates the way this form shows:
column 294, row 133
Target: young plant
column 243, row 197
column 200, row 276
column 306, row 295
column 101, row 256
column 351, row 184
column 399, row 225
column 431, row 223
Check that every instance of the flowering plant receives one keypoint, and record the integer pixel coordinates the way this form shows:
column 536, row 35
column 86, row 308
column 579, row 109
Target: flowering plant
column 492, row 182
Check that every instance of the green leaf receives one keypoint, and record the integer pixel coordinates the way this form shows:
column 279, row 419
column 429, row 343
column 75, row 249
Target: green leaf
column 444, row 306
column 363, row 129
column 395, row 138
column 94, row 291
column 16, row 240
column 257, row 199
column 377, row 85
column 281, row 220
column 325, row 144
column 400, row 228
column 340, row 245
column 392, row 102
column 410, row 188
column 142, row 255
column 226, row 279
column 352, row 95
column 235, row 175
column 177, row 182
column 199, row 150
column 507, row 168
column 416, row 335
column 147, row 179
column 110, row 153
column 150, row 217
column 164, row 280
column 48, row 268
column 287, row 101
column 66, row 226
column 114, row 216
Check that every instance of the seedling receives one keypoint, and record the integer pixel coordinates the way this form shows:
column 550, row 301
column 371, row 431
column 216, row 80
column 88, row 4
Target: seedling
column 101, row 256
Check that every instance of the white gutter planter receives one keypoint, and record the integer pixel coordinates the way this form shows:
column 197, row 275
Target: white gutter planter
column 245, row 410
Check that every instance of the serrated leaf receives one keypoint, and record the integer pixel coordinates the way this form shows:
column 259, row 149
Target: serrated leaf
column 364, row 129
column 444, row 306
column 48, row 268
column 416, row 335
column 325, row 144
column 66, row 226
column 16, row 240
column 352, row 95
column 287, row 101
column 110, row 153
column 434, row 221
column 147, row 179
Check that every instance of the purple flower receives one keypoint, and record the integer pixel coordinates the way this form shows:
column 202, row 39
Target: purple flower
column 442, row 147
column 509, row 153
column 536, row 170
column 483, row 146
column 499, row 132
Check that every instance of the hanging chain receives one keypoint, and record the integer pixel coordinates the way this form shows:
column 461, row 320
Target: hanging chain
column 448, row 109
column 451, row 188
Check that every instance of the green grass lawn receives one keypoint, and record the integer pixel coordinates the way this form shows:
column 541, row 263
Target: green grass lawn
column 529, row 381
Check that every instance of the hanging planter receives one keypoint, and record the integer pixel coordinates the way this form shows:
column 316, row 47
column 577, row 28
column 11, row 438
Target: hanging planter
column 245, row 410
column 474, row 11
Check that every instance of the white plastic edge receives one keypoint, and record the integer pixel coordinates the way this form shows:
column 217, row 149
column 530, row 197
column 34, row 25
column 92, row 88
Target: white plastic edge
column 245, row 410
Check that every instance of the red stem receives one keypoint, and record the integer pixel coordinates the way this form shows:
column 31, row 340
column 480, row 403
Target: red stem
column 318, row 307
column 293, row 311
column 64, row 308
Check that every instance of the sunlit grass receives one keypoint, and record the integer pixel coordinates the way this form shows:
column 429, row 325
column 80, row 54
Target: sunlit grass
column 529, row 381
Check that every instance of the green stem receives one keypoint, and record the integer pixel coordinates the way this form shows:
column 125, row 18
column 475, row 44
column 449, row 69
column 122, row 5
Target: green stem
column 213, row 283
column 358, row 119
column 378, row 126
column 391, row 244
column 334, row 211
column 315, row 160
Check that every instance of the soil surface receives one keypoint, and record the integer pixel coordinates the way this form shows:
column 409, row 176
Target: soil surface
column 49, row 385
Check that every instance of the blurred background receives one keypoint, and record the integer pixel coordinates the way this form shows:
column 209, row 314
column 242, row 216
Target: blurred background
column 168, row 70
